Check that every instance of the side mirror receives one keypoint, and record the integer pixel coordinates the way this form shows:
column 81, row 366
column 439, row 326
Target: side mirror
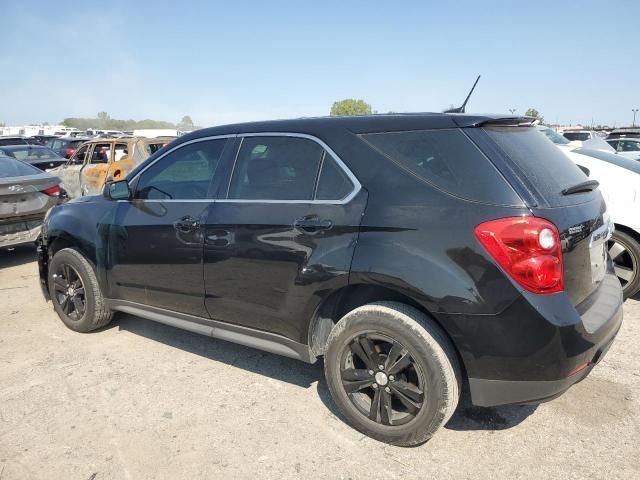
column 117, row 190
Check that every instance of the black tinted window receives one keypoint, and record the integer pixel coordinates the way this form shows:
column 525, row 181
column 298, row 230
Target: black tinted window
column 12, row 141
column 448, row 160
column 276, row 168
column 580, row 136
column 185, row 173
column 333, row 183
column 543, row 164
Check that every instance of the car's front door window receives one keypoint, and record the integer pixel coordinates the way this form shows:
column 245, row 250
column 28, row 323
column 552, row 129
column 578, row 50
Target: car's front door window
column 185, row 173
column 78, row 158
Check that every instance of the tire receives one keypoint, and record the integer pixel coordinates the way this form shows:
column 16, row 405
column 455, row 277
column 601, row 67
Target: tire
column 625, row 253
column 397, row 334
column 68, row 269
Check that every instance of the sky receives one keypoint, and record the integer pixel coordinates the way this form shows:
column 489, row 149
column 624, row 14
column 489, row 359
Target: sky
column 224, row 62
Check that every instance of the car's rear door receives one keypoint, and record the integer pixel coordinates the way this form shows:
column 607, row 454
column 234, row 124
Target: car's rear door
column 284, row 236
column 155, row 242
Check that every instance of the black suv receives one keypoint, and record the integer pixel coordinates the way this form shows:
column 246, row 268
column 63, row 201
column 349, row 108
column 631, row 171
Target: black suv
column 415, row 253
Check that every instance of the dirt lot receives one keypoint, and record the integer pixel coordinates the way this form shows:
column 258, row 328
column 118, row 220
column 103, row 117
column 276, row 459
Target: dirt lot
column 141, row 400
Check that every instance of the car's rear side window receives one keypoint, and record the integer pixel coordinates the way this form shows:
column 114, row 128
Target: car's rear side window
column 333, row 183
column 448, row 160
column 544, row 164
column 276, row 168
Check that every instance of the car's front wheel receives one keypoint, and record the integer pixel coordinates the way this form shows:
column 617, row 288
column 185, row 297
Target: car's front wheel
column 75, row 293
column 392, row 372
column 625, row 253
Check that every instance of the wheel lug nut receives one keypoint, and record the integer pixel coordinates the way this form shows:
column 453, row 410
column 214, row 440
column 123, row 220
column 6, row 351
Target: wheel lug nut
column 392, row 378
column 375, row 385
column 370, row 372
column 381, row 367
column 387, row 389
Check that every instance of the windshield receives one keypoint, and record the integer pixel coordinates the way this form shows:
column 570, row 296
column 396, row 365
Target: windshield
column 28, row 154
column 554, row 136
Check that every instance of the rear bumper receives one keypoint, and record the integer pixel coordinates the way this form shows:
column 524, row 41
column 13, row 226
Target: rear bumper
column 487, row 393
column 539, row 346
column 19, row 233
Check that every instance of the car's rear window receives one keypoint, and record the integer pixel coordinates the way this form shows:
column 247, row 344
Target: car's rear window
column 10, row 167
column 580, row 136
column 541, row 162
column 448, row 160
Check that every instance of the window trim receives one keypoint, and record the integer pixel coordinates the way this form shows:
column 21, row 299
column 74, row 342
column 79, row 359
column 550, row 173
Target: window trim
column 357, row 186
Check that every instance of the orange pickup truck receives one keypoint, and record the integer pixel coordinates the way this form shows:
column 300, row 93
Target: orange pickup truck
column 106, row 158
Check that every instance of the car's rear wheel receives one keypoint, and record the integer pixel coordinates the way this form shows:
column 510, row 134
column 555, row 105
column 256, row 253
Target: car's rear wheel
column 75, row 293
column 392, row 372
column 625, row 253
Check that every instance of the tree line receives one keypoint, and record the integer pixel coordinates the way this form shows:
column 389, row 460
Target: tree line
column 103, row 121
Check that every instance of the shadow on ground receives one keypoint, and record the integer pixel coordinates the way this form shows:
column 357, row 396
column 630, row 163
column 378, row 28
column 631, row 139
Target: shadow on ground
column 17, row 256
column 255, row 361
column 467, row 416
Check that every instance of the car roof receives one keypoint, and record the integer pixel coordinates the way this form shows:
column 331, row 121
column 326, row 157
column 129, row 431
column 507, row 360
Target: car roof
column 361, row 123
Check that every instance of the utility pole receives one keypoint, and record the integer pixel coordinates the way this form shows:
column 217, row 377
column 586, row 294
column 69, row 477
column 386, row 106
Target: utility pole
column 512, row 110
column 634, row 110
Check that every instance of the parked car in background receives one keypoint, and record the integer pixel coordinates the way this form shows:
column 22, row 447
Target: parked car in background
column 26, row 194
column 16, row 140
column 580, row 135
column 40, row 157
column 416, row 253
column 66, row 146
column 44, row 139
column 100, row 159
column 627, row 147
column 624, row 133
column 619, row 180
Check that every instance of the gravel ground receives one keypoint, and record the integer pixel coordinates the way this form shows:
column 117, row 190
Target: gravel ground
column 141, row 400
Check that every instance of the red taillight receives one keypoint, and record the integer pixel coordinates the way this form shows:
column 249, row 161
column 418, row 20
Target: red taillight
column 52, row 191
column 528, row 249
column 69, row 151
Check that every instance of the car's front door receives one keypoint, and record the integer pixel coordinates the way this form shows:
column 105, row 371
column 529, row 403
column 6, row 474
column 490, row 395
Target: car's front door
column 284, row 236
column 95, row 170
column 155, row 242
column 70, row 172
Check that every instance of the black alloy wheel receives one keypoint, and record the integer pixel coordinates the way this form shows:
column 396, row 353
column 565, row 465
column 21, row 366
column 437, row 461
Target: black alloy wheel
column 382, row 380
column 69, row 292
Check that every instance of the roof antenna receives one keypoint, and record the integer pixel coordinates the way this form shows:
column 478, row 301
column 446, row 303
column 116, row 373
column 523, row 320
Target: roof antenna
column 462, row 107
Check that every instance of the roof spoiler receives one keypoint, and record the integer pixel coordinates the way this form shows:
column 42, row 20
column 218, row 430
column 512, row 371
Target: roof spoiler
column 510, row 122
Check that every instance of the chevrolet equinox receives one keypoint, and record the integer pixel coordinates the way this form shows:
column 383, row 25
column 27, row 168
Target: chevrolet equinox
column 416, row 253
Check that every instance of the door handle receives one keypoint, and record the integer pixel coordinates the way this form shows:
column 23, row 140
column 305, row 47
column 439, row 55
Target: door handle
column 186, row 224
column 312, row 224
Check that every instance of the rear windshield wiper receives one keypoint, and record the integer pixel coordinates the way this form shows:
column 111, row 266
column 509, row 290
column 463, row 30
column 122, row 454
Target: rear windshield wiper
column 586, row 186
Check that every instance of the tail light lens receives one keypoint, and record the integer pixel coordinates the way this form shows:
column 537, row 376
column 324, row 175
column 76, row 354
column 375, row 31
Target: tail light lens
column 69, row 151
column 528, row 249
column 52, row 191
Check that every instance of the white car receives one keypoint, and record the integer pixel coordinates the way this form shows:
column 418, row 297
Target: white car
column 619, row 180
column 627, row 147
